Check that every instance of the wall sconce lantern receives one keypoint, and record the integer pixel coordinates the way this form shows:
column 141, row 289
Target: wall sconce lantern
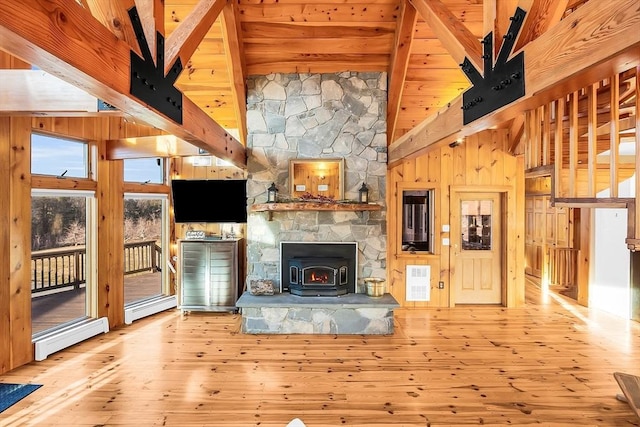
column 272, row 193
column 363, row 194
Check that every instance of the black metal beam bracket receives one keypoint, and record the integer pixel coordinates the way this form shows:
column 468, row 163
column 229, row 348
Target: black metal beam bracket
column 502, row 83
column 147, row 81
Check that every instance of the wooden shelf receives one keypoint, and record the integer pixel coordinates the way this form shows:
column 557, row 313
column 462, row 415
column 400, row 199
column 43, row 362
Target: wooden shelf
column 314, row 206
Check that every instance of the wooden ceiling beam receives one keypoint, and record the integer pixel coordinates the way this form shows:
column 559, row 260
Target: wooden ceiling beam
column 151, row 14
column 399, row 64
column 496, row 14
column 589, row 46
column 114, row 15
column 516, row 130
column 454, row 35
column 185, row 39
column 149, row 146
column 541, row 15
column 237, row 68
column 64, row 39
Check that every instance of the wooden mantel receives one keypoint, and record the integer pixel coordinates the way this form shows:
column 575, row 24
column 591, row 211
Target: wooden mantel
column 313, row 206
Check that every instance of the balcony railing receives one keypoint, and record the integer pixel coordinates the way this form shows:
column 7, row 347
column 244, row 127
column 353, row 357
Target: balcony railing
column 65, row 267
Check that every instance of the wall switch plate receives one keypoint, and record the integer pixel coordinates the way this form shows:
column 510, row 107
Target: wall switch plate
column 446, row 228
column 445, row 241
column 441, row 285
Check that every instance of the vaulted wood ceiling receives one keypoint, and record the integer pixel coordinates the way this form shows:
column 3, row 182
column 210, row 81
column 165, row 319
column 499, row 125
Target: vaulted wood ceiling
column 419, row 43
column 391, row 36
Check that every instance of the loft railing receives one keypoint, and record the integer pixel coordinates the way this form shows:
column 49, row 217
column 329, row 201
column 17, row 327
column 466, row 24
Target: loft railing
column 65, row 267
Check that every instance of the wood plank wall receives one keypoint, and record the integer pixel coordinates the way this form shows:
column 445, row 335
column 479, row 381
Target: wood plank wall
column 481, row 163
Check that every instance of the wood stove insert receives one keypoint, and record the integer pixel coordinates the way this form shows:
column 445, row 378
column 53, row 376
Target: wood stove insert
column 318, row 268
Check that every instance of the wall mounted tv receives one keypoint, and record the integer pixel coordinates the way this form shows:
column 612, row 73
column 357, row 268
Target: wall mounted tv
column 209, row 200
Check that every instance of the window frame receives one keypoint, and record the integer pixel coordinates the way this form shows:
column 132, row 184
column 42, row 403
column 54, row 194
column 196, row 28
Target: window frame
column 433, row 193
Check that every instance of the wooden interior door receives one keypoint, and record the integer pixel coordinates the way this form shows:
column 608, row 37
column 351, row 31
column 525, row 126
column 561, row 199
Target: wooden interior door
column 477, row 248
column 535, row 229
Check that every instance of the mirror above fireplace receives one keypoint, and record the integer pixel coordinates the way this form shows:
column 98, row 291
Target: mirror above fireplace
column 318, row 177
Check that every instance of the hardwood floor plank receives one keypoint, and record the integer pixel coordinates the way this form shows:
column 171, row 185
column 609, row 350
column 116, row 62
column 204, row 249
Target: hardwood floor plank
column 548, row 363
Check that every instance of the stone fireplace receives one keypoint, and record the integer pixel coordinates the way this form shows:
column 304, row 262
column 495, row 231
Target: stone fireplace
column 318, row 268
column 315, row 116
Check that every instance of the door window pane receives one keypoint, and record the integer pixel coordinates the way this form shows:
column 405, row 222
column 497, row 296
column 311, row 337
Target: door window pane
column 58, row 260
column 142, row 248
column 476, row 224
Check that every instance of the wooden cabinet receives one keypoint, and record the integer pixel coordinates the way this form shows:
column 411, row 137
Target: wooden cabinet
column 211, row 274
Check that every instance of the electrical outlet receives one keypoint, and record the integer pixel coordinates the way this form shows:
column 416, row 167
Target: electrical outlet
column 440, row 285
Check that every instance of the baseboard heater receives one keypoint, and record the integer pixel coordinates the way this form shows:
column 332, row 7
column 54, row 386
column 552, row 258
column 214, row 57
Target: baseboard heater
column 148, row 307
column 59, row 339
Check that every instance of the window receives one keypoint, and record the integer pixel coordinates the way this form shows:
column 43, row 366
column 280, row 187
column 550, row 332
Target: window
column 476, row 224
column 417, row 220
column 55, row 156
column 63, row 270
column 144, row 170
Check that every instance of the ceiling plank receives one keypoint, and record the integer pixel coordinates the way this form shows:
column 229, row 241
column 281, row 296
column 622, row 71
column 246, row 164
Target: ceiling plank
column 399, row 64
column 302, row 63
column 185, row 39
column 306, row 30
column 458, row 40
column 236, row 65
column 64, row 39
column 591, row 45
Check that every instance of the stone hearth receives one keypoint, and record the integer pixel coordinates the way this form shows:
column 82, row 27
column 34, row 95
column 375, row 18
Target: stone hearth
column 351, row 314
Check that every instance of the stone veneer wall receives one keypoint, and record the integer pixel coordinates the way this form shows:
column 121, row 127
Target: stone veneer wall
column 292, row 116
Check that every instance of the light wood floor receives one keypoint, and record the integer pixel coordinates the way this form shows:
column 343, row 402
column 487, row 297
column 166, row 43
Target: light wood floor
column 549, row 363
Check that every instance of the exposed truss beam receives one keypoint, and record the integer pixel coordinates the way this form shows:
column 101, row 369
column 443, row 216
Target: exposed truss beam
column 149, row 146
column 592, row 45
column 113, row 15
column 185, row 39
column 231, row 33
column 399, row 63
column 151, row 14
column 541, row 15
column 63, row 39
column 453, row 34
column 496, row 18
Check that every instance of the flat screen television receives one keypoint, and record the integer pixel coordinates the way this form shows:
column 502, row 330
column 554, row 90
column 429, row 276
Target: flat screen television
column 197, row 200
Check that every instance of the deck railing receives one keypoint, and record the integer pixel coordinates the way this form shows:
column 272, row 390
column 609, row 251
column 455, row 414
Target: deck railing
column 59, row 268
